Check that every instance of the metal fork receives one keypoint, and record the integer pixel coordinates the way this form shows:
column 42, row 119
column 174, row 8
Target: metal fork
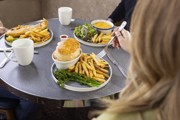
column 103, row 52
column 5, row 60
column 2, row 35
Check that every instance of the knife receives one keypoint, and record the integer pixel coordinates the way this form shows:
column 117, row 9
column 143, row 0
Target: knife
column 111, row 58
column 2, row 50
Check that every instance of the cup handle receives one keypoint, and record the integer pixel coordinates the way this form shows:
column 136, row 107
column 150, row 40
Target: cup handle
column 5, row 53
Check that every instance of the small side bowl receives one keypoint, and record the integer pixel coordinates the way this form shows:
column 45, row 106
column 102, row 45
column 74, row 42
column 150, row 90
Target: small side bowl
column 66, row 64
column 103, row 30
column 63, row 37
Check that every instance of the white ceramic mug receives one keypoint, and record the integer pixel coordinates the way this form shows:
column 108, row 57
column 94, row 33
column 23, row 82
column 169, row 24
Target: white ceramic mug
column 23, row 50
column 65, row 15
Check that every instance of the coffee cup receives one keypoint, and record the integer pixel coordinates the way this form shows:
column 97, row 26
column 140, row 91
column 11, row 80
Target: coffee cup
column 23, row 50
column 65, row 15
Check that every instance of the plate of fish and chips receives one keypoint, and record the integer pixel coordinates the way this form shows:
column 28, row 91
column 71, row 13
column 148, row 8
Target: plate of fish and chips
column 88, row 35
column 39, row 33
column 96, row 73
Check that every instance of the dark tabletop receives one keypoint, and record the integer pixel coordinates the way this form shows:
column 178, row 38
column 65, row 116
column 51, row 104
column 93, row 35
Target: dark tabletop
column 35, row 80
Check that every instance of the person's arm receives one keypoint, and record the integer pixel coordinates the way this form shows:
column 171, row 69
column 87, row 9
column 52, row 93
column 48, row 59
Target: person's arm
column 118, row 13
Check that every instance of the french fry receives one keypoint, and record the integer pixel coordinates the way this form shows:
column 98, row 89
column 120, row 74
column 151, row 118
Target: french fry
column 28, row 33
column 101, row 38
column 35, row 39
column 98, row 39
column 94, row 58
column 82, row 57
column 72, row 67
column 101, row 69
column 90, row 74
column 102, row 73
column 94, row 38
column 92, row 65
column 89, row 58
column 44, row 32
column 23, row 36
column 99, row 76
column 83, row 72
column 80, row 68
column 85, row 69
column 88, row 66
column 76, row 68
column 99, row 79
column 106, row 37
column 36, row 34
column 102, row 63
column 85, row 59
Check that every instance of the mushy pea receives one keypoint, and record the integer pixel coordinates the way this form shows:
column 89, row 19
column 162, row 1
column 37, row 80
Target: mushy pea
column 102, row 25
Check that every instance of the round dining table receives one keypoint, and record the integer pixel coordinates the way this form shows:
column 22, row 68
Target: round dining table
column 35, row 82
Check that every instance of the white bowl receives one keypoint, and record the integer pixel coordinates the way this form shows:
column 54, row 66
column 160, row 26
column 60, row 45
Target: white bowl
column 66, row 64
column 103, row 30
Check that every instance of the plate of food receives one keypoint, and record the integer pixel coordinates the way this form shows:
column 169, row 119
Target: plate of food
column 39, row 33
column 88, row 74
column 88, row 35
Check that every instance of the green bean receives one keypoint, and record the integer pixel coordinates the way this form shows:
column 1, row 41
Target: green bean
column 64, row 76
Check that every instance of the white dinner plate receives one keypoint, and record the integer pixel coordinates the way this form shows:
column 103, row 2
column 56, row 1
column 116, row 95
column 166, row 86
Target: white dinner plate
column 75, row 86
column 35, row 45
column 89, row 43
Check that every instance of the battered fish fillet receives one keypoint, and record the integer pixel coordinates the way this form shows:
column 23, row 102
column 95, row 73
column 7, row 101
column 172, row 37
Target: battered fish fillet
column 20, row 29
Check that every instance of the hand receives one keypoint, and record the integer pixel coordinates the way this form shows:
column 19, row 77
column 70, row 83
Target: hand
column 2, row 28
column 122, row 40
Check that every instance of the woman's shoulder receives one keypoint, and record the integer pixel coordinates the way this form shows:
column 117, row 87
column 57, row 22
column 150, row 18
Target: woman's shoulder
column 146, row 115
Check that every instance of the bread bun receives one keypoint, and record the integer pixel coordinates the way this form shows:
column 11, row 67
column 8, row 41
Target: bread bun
column 67, row 50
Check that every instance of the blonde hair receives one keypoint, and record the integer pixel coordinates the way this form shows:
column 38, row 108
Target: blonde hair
column 154, row 71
